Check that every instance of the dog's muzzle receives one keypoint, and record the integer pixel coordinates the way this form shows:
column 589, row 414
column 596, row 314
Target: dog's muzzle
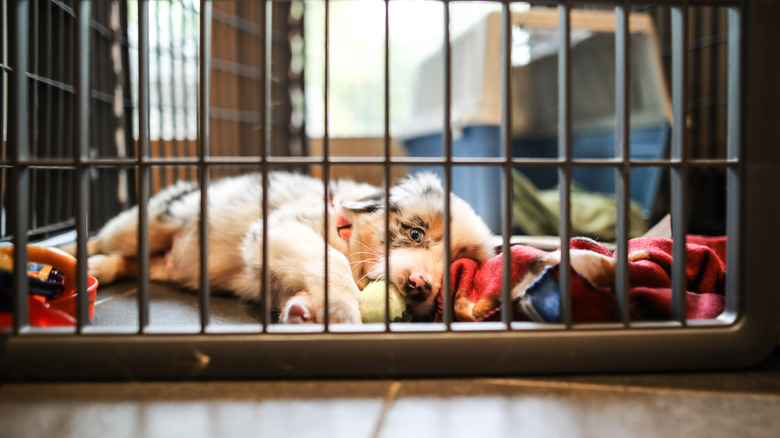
column 417, row 288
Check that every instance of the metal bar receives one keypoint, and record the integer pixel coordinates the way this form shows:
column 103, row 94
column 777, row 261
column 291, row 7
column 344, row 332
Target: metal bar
column 144, row 169
column 679, row 173
column 695, row 126
column 622, row 153
column 172, row 87
column 326, row 162
column 81, row 151
column 185, row 60
column 204, row 150
column 734, row 212
column 284, row 161
column 375, row 355
column 191, row 15
column 564, row 153
column 4, row 69
column 715, row 72
column 19, row 149
column 97, row 131
column 160, row 174
column 266, row 51
column 447, row 309
column 64, row 115
column 386, row 169
column 40, row 142
column 155, row 90
column 53, row 83
column 125, row 141
column 506, row 139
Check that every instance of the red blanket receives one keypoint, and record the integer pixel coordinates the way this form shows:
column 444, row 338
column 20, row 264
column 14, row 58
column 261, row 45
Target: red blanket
column 535, row 273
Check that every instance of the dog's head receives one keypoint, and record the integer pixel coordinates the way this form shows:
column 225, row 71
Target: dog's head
column 416, row 238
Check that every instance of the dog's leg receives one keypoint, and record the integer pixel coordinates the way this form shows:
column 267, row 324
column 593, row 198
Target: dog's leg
column 308, row 305
column 120, row 234
column 114, row 249
column 107, row 268
column 296, row 265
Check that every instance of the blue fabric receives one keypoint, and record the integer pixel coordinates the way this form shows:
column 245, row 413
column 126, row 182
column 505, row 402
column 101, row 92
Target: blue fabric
column 541, row 302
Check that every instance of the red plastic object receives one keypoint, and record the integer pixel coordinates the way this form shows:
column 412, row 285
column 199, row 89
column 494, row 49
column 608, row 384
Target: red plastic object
column 60, row 311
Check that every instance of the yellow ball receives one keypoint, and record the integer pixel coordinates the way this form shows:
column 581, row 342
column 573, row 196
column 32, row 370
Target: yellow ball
column 372, row 303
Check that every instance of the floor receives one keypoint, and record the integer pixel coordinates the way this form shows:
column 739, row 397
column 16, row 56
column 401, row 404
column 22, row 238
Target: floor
column 169, row 307
column 712, row 404
column 733, row 404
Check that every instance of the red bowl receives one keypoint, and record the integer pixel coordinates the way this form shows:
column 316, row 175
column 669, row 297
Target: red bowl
column 67, row 301
column 66, row 264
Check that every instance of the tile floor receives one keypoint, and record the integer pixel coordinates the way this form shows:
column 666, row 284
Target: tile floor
column 734, row 404
column 713, row 404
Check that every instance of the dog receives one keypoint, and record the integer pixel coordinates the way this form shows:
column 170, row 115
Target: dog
column 296, row 241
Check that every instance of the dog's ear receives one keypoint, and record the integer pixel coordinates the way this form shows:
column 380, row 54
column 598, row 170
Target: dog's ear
column 369, row 204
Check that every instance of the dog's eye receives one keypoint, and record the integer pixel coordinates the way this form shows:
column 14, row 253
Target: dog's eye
column 417, row 234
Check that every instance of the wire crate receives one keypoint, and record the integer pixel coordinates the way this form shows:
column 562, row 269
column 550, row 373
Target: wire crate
column 60, row 108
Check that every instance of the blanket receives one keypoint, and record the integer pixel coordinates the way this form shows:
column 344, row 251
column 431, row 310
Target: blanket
column 535, row 292
column 593, row 214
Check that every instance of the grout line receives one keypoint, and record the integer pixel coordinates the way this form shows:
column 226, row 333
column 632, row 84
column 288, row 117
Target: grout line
column 392, row 395
column 627, row 389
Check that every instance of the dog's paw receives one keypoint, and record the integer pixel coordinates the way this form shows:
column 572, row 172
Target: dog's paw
column 103, row 267
column 345, row 312
column 297, row 310
column 301, row 309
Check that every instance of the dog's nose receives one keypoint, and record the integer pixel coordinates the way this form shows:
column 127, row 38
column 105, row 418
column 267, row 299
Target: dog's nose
column 417, row 287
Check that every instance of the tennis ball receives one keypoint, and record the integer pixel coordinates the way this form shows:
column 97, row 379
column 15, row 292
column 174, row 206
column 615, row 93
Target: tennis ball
column 372, row 303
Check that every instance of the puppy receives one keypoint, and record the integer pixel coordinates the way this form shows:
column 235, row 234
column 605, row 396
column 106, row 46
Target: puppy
column 296, row 241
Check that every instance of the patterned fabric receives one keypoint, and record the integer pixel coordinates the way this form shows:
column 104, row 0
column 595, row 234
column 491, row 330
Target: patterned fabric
column 535, row 277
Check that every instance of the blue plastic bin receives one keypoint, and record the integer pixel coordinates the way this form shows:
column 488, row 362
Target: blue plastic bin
column 480, row 186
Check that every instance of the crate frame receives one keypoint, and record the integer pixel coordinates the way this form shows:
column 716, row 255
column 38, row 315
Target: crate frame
column 745, row 334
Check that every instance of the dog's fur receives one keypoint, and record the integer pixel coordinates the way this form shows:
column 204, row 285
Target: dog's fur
column 295, row 241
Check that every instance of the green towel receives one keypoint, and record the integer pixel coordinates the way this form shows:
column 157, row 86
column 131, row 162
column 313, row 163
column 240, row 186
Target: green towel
column 592, row 214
